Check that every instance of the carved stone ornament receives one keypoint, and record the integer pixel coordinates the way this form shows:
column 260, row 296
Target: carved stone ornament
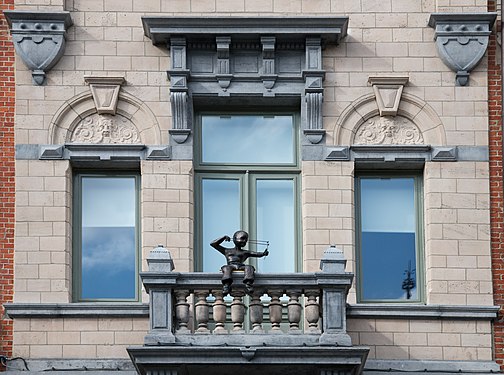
column 105, row 129
column 388, row 131
column 105, row 91
column 388, row 91
column 39, row 39
column 462, row 40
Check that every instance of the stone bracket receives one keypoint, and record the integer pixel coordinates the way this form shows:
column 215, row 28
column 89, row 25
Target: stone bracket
column 314, row 90
column 268, row 54
column 105, row 91
column 223, row 75
column 39, row 39
column 388, row 91
column 179, row 97
column 462, row 40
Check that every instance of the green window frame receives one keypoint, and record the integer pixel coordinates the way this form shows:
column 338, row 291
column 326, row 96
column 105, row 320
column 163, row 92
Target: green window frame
column 389, row 237
column 106, row 237
column 251, row 187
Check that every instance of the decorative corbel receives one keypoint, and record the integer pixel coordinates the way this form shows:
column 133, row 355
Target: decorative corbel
column 105, row 91
column 39, row 39
column 223, row 75
column 461, row 40
column 268, row 75
column 179, row 89
column 388, row 91
column 314, row 91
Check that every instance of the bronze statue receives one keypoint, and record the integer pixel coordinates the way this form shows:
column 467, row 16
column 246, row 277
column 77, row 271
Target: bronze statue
column 235, row 260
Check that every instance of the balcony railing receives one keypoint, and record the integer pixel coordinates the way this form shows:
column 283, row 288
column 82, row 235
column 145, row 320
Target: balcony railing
column 186, row 306
column 287, row 316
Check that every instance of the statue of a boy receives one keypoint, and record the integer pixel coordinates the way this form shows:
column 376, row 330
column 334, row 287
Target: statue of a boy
column 236, row 257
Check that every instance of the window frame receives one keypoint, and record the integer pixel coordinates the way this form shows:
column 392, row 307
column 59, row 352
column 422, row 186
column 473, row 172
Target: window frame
column 77, row 234
column 419, row 233
column 247, row 174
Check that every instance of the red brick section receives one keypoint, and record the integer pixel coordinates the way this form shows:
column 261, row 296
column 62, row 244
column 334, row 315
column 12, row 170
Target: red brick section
column 496, row 186
column 7, row 105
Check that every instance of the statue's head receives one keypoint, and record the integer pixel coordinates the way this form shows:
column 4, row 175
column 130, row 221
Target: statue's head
column 240, row 238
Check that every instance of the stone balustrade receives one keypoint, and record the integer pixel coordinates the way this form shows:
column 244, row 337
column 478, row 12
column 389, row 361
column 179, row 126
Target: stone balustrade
column 285, row 309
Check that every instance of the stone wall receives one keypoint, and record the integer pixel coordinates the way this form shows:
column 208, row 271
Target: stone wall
column 385, row 37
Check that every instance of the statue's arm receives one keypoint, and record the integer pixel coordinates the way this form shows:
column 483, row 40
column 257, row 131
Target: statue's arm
column 258, row 254
column 216, row 244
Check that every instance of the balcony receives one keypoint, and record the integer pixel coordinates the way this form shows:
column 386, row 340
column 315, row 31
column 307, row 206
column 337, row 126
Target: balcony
column 291, row 324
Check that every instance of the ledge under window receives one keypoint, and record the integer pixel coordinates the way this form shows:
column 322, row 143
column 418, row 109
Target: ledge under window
column 411, row 311
column 76, row 310
column 382, row 311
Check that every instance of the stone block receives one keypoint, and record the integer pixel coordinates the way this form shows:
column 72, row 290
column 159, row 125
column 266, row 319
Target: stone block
column 376, row 6
column 80, row 324
column 79, row 351
column 46, row 351
column 97, row 338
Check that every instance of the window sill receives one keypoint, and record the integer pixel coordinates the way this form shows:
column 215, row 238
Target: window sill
column 76, row 310
column 382, row 311
column 412, row 311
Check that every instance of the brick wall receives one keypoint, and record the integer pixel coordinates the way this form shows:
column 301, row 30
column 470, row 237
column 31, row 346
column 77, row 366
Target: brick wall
column 496, row 186
column 7, row 88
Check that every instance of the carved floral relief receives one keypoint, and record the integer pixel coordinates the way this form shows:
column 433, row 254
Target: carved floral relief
column 388, row 130
column 105, row 129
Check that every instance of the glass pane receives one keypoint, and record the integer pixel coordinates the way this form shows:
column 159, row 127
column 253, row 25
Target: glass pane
column 108, row 238
column 276, row 223
column 247, row 139
column 388, row 243
column 221, row 216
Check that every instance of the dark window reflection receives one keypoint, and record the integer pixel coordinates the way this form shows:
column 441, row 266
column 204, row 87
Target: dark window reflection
column 388, row 239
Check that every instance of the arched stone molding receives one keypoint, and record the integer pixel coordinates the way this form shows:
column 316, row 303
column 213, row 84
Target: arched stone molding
column 411, row 107
column 82, row 106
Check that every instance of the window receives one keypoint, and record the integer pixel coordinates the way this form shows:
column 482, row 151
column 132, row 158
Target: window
column 389, row 238
column 106, row 237
column 247, row 178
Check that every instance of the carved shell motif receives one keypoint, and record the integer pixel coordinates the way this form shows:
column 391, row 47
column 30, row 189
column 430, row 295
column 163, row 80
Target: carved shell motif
column 388, row 130
column 105, row 129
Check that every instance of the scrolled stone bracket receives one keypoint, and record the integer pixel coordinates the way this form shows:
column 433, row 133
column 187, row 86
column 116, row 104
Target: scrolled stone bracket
column 223, row 75
column 462, row 40
column 179, row 97
column 268, row 76
column 314, row 90
column 39, row 39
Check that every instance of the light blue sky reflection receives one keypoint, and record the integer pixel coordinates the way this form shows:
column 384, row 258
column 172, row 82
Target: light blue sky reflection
column 275, row 223
column 247, row 139
column 388, row 237
column 221, row 216
column 108, row 238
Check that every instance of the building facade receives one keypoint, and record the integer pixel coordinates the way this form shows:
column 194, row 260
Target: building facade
column 372, row 126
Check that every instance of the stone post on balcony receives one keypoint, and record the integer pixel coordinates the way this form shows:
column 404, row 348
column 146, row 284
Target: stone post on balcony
column 333, row 303
column 160, row 262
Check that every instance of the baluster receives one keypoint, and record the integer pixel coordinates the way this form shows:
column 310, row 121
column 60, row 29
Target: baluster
column 238, row 312
column 294, row 312
column 275, row 311
column 312, row 311
column 256, row 313
column 182, row 311
column 219, row 312
column 202, row 312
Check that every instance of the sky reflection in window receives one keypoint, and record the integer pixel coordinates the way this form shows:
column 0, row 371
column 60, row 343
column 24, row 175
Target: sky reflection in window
column 221, row 215
column 247, row 139
column 275, row 223
column 108, row 246
column 388, row 238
